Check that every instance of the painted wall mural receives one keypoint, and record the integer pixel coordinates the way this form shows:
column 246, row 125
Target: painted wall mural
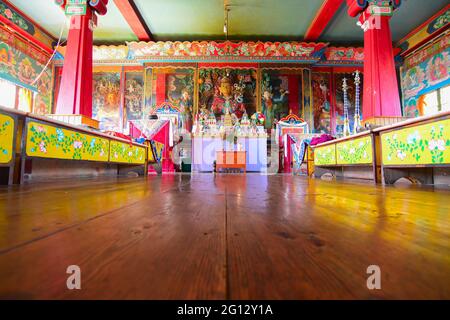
column 325, row 156
column 44, row 98
column 232, row 90
column 107, row 100
column 419, row 145
column 423, row 72
column 180, row 92
column 134, row 95
column 175, row 86
column 355, row 151
column 321, row 102
column 281, row 93
column 21, row 64
column 48, row 141
column 6, row 138
column 122, row 152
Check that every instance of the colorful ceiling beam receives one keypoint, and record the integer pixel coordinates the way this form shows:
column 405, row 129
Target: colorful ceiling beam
column 134, row 19
column 25, row 26
column 322, row 19
column 437, row 24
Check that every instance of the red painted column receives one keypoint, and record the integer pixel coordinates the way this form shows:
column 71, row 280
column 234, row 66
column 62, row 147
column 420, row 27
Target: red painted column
column 160, row 88
column 381, row 96
column 293, row 94
column 75, row 96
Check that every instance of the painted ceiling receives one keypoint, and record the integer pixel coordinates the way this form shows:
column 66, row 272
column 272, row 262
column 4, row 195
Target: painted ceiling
column 248, row 20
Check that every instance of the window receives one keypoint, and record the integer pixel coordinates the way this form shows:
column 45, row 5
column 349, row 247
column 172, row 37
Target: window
column 15, row 97
column 25, row 100
column 7, row 94
column 431, row 103
column 436, row 101
column 445, row 99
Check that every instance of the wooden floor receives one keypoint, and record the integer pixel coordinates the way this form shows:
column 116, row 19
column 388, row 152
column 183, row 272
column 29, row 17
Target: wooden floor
column 223, row 237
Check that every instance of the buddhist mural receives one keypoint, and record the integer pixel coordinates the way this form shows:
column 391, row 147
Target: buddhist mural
column 180, row 92
column 23, row 68
column 175, row 85
column 281, row 94
column 320, row 83
column 44, row 97
column 134, row 93
column 106, row 101
column 423, row 72
column 224, row 91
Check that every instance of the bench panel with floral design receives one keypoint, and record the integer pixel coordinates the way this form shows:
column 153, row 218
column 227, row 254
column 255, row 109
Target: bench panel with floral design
column 51, row 141
column 427, row 144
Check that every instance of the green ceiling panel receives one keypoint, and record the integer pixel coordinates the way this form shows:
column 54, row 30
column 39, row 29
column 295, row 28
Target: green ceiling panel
column 248, row 19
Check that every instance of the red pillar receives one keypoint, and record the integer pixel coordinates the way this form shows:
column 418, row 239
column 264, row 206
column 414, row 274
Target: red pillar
column 160, row 88
column 293, row 94
column 381, row 97
column 75, row 96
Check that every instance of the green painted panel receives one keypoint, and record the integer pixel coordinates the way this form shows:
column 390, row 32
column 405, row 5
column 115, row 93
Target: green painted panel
column 204, row 19
column 7, row 126
column 356, row 151
column 427, row 144
column 325, row 156
column 122, row 152
column 51, row 141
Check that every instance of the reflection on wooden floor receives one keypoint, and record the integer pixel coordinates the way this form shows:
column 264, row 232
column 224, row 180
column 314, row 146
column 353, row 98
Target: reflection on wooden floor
column 223, row 237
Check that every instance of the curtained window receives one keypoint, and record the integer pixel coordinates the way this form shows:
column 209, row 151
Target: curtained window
column 15, row 97
column 25, row 100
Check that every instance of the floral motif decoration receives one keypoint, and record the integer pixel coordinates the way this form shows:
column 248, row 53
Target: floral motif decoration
column 356, row 151
column 122, row 152
column 6, row 138
column 227, row 48
column 425, row 144
column 344, row 54
column 52, row 142
column 16, row 18
column 324, row 156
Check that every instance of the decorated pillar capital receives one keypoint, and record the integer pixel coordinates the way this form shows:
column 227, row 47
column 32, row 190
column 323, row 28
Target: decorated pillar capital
column 372, row 7
column 81, row 7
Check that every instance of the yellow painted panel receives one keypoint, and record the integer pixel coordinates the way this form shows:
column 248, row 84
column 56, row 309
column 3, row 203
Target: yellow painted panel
column 326, row 155
column 51, row 141
column 122, row 152
column 427, row 144
column 355, row 151
column 6, row 138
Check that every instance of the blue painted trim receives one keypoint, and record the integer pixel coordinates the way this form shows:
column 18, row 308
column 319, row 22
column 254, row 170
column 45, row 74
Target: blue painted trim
column 435, row 87
column 14, row 81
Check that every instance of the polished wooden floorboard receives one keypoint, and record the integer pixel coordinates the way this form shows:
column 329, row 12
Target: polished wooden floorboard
column 223, row 237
